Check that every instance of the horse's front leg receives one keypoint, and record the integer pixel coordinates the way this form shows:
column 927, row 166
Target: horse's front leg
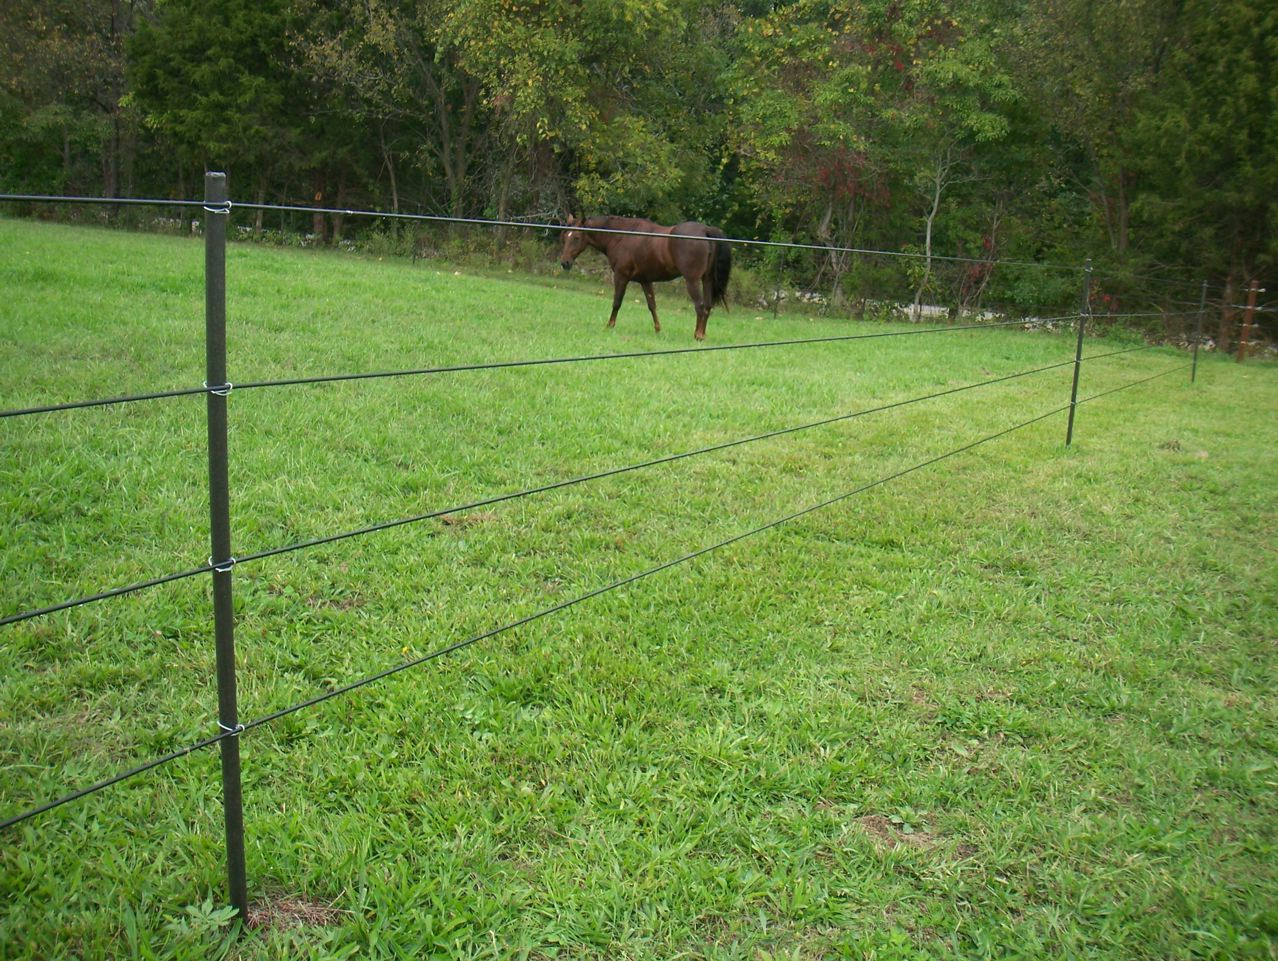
column 619, row 284
column 703, row 307
column 652, row 304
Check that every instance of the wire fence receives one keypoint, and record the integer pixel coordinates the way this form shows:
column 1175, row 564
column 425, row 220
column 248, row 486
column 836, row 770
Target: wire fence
column 556, row 227
column 516, row 495
column 227, row 206
column 221, row 563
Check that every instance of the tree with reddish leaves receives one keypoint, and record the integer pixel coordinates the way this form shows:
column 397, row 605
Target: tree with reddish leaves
column 854, row 120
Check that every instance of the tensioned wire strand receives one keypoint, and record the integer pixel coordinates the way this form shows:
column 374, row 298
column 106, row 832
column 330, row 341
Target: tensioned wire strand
column 1152, row 313
column 440, row 652
column 1143, row 380
column 665, row 352
column 1115, row 353
column 740, row 241
column 622, row 582
column 536, row 362
column 114, row 779
column 515, row 495
column 227, row 206
column 314, row 701
column 103, row 595
column 107, row 401
column 502, row 364
column 528, row 619
column 125, row 201
column 670, row 458
column 155, row 582
column 582, row 227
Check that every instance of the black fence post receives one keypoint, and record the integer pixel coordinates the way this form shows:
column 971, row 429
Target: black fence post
column 1198, row 333
column 216, row 213
column 1084, row 311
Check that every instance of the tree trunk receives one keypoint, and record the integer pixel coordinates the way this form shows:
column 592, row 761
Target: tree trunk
column 1124, row 213
column 1228, row 314
column 318, row 224
column 111, row 173
column 184, row 218
column 389, row 160
column 972, row 290
column 260, row 199
column 128, row 150
column 938, row 187
column 66, row 160
column 1107, row 209
column 339, row 220
column 504, row 174
column 111, row 168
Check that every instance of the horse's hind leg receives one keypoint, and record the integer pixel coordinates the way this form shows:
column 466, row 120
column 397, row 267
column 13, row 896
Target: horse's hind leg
column 619, row 283
column 703, row 307
column 652, row 304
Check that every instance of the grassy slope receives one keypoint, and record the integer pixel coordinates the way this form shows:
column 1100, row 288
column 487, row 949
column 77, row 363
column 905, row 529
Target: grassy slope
column 1018, row 704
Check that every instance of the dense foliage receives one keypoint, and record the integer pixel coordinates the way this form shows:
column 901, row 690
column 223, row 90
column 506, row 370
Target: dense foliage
column 1140, row 133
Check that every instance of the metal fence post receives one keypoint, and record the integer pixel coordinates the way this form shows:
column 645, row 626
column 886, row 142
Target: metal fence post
column 1084, row 311
column 1198, row 333
column 1246, row 327
column 216, row 214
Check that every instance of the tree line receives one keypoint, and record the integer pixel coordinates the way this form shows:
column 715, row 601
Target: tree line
column 1141, row 133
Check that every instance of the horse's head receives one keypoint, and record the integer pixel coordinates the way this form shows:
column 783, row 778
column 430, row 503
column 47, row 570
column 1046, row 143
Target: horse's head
column 574, row 242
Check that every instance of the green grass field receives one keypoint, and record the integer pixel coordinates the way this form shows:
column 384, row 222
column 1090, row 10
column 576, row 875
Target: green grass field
column 1020, row 703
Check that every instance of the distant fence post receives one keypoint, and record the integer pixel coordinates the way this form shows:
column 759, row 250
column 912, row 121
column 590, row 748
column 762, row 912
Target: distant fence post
column 216, row 214
column 1084, row 311
column 1198, row 333
column 776, row 294
column 1246, row 325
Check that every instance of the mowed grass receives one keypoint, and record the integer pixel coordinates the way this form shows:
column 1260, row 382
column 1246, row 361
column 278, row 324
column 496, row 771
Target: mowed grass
column 1020, row 703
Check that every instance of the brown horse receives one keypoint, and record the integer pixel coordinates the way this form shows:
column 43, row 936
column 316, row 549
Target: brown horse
column 695, row 252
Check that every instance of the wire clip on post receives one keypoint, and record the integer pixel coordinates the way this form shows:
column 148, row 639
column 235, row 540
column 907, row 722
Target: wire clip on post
column 235, row 731
column 222, row 567
column 218, row 207
column 223, row 390
column 1084, row 311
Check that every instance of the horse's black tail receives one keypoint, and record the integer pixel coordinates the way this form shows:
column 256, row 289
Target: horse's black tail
column 720, row 268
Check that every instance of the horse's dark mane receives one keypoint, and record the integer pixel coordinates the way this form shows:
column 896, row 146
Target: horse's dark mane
column 612, row 222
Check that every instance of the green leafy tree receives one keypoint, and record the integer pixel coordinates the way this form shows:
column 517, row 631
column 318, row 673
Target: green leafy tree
column 854, row 120
column 1210, row 132
column 624, row 94
column 63, row 123
column 403, row 79
column 1093, row 65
